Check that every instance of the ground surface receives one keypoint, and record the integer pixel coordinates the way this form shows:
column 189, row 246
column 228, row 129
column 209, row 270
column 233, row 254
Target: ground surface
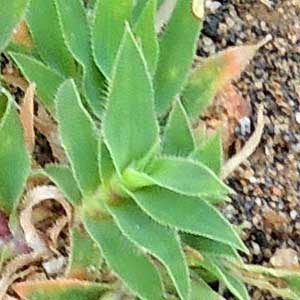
column 267, row 204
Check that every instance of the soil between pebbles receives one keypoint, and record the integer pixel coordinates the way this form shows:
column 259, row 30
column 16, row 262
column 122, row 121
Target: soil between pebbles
column 267, row 202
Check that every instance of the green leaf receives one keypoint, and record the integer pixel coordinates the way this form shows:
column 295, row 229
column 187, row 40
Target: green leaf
column 84, row 256
column 234, row 285
column 189, row 214
column 45, row 29
column 202, row 291
column 158, row 240
column 210, row 153
column 107, row 32
column 72, row 15
column 130, row 128
column 14, row 159
column 79, row 137
column 139, row 6
column 146, row 35
column 47, row 80
column 63, row 177
column 94, row 88
column 59, row 289
column 212, row 75
column 178, row 136
column 175, row 62
column 187, row 177
column 210, row 247
column 106, row 166
column 11, row 14
column 130, row 264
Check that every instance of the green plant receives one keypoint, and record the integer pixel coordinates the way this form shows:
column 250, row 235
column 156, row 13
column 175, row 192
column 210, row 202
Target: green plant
column 140, row 182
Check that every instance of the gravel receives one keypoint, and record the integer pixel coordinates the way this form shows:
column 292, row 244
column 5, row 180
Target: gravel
column 267, row 202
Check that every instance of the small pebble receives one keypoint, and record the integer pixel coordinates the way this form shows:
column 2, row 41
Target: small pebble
column 297, row 116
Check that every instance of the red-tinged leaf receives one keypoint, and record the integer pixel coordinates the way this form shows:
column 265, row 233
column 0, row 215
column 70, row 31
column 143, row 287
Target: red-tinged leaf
column 214, row 74
column 59, row 289
column 223, row 116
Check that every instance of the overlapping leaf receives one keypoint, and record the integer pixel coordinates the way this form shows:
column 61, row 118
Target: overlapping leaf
column 130, row 128
column 131, row 265
column 202, row 291
column 107, row 32
column 210, row 247
column 63, row 177
column 72, row 15
column 189, row 214
column 11, row 14
column 79, row 137
column 156, row 239
column 47, row 80
column 178, row 136
column 174, row 62
column 106, row 166
column 186, row 177
column 44, row 26
column 213, row 74
column 210, row 153
column 148, row 38
column 14, row 159
column 235, row 286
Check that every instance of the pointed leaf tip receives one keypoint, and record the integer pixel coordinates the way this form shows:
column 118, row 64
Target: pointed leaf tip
column 201, row 218
column 79, row 136
column 133, row 139
column 213, row 74
column 170, row 77
column 178, row 136
column 107, row 31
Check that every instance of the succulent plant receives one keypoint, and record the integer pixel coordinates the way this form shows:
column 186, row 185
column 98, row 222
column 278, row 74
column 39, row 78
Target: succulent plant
column 142, row 184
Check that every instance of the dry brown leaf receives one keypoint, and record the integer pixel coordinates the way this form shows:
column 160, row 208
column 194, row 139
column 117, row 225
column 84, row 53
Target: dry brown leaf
column 10, row 272
column 46, row 126
column 15, row 80
column 27, row 117
column 55, row 265
column 22, row 37
column 56, row 230
column 250, row 146
column 33, row 198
